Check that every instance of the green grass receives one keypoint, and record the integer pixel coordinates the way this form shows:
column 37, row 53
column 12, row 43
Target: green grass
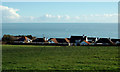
column 23, row 57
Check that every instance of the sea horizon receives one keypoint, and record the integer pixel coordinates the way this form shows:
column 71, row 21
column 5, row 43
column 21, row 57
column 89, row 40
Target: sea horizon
column 61, row 30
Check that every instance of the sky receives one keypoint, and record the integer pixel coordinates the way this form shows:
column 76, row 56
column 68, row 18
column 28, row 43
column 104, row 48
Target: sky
column 60, row 0
column 59, row 12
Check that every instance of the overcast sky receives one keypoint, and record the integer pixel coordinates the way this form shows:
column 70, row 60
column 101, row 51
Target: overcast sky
column 59, row 12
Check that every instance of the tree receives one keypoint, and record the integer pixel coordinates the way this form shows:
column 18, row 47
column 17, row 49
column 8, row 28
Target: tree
column 7, row 38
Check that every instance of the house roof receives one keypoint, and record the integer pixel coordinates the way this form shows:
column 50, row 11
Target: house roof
column 115, row 40
column 50, row 39
column 28, row 36
column 73, row 38
column 59, row 40
column 54, row 40
column 91, row 39
column 87, row 42
column 18, row 36
column 104, row 40
column 39, row 40
column 22, row 38
column 67, row 39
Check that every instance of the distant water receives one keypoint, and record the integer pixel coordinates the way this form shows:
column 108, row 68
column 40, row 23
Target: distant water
column 61, row 29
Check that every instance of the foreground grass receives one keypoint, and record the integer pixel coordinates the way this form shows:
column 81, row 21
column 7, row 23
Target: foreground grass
column 23, row 57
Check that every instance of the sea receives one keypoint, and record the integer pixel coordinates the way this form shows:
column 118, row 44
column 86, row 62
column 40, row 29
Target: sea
column 61, row 30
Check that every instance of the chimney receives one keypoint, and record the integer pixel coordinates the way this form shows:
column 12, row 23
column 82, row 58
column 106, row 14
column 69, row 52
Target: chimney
column 96, row 39
column 47, row 39
column 83, row 35
column 109, row 38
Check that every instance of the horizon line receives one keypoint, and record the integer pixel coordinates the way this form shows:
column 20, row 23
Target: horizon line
column 56, row 22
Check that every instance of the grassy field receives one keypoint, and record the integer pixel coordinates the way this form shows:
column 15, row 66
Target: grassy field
column 23, row 57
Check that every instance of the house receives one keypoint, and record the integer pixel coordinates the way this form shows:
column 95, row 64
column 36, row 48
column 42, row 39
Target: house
column 39, row 40
column 116, row 41
column 76, row 40
column 85, row 43
column 92, row 40
column 104, row 41
column 18, row 37
column 67, row 39
column 23, row 39
column 59, row 40
column 50, row 40
column 28, row 36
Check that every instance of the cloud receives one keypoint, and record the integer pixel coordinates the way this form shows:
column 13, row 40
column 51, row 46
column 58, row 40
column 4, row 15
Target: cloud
column 54, row 16
column 110, row 15
column 9, row 14
column 49, row 16
column 101, row 18
column 77, row 17
column 67, row 17
column 59, row 17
